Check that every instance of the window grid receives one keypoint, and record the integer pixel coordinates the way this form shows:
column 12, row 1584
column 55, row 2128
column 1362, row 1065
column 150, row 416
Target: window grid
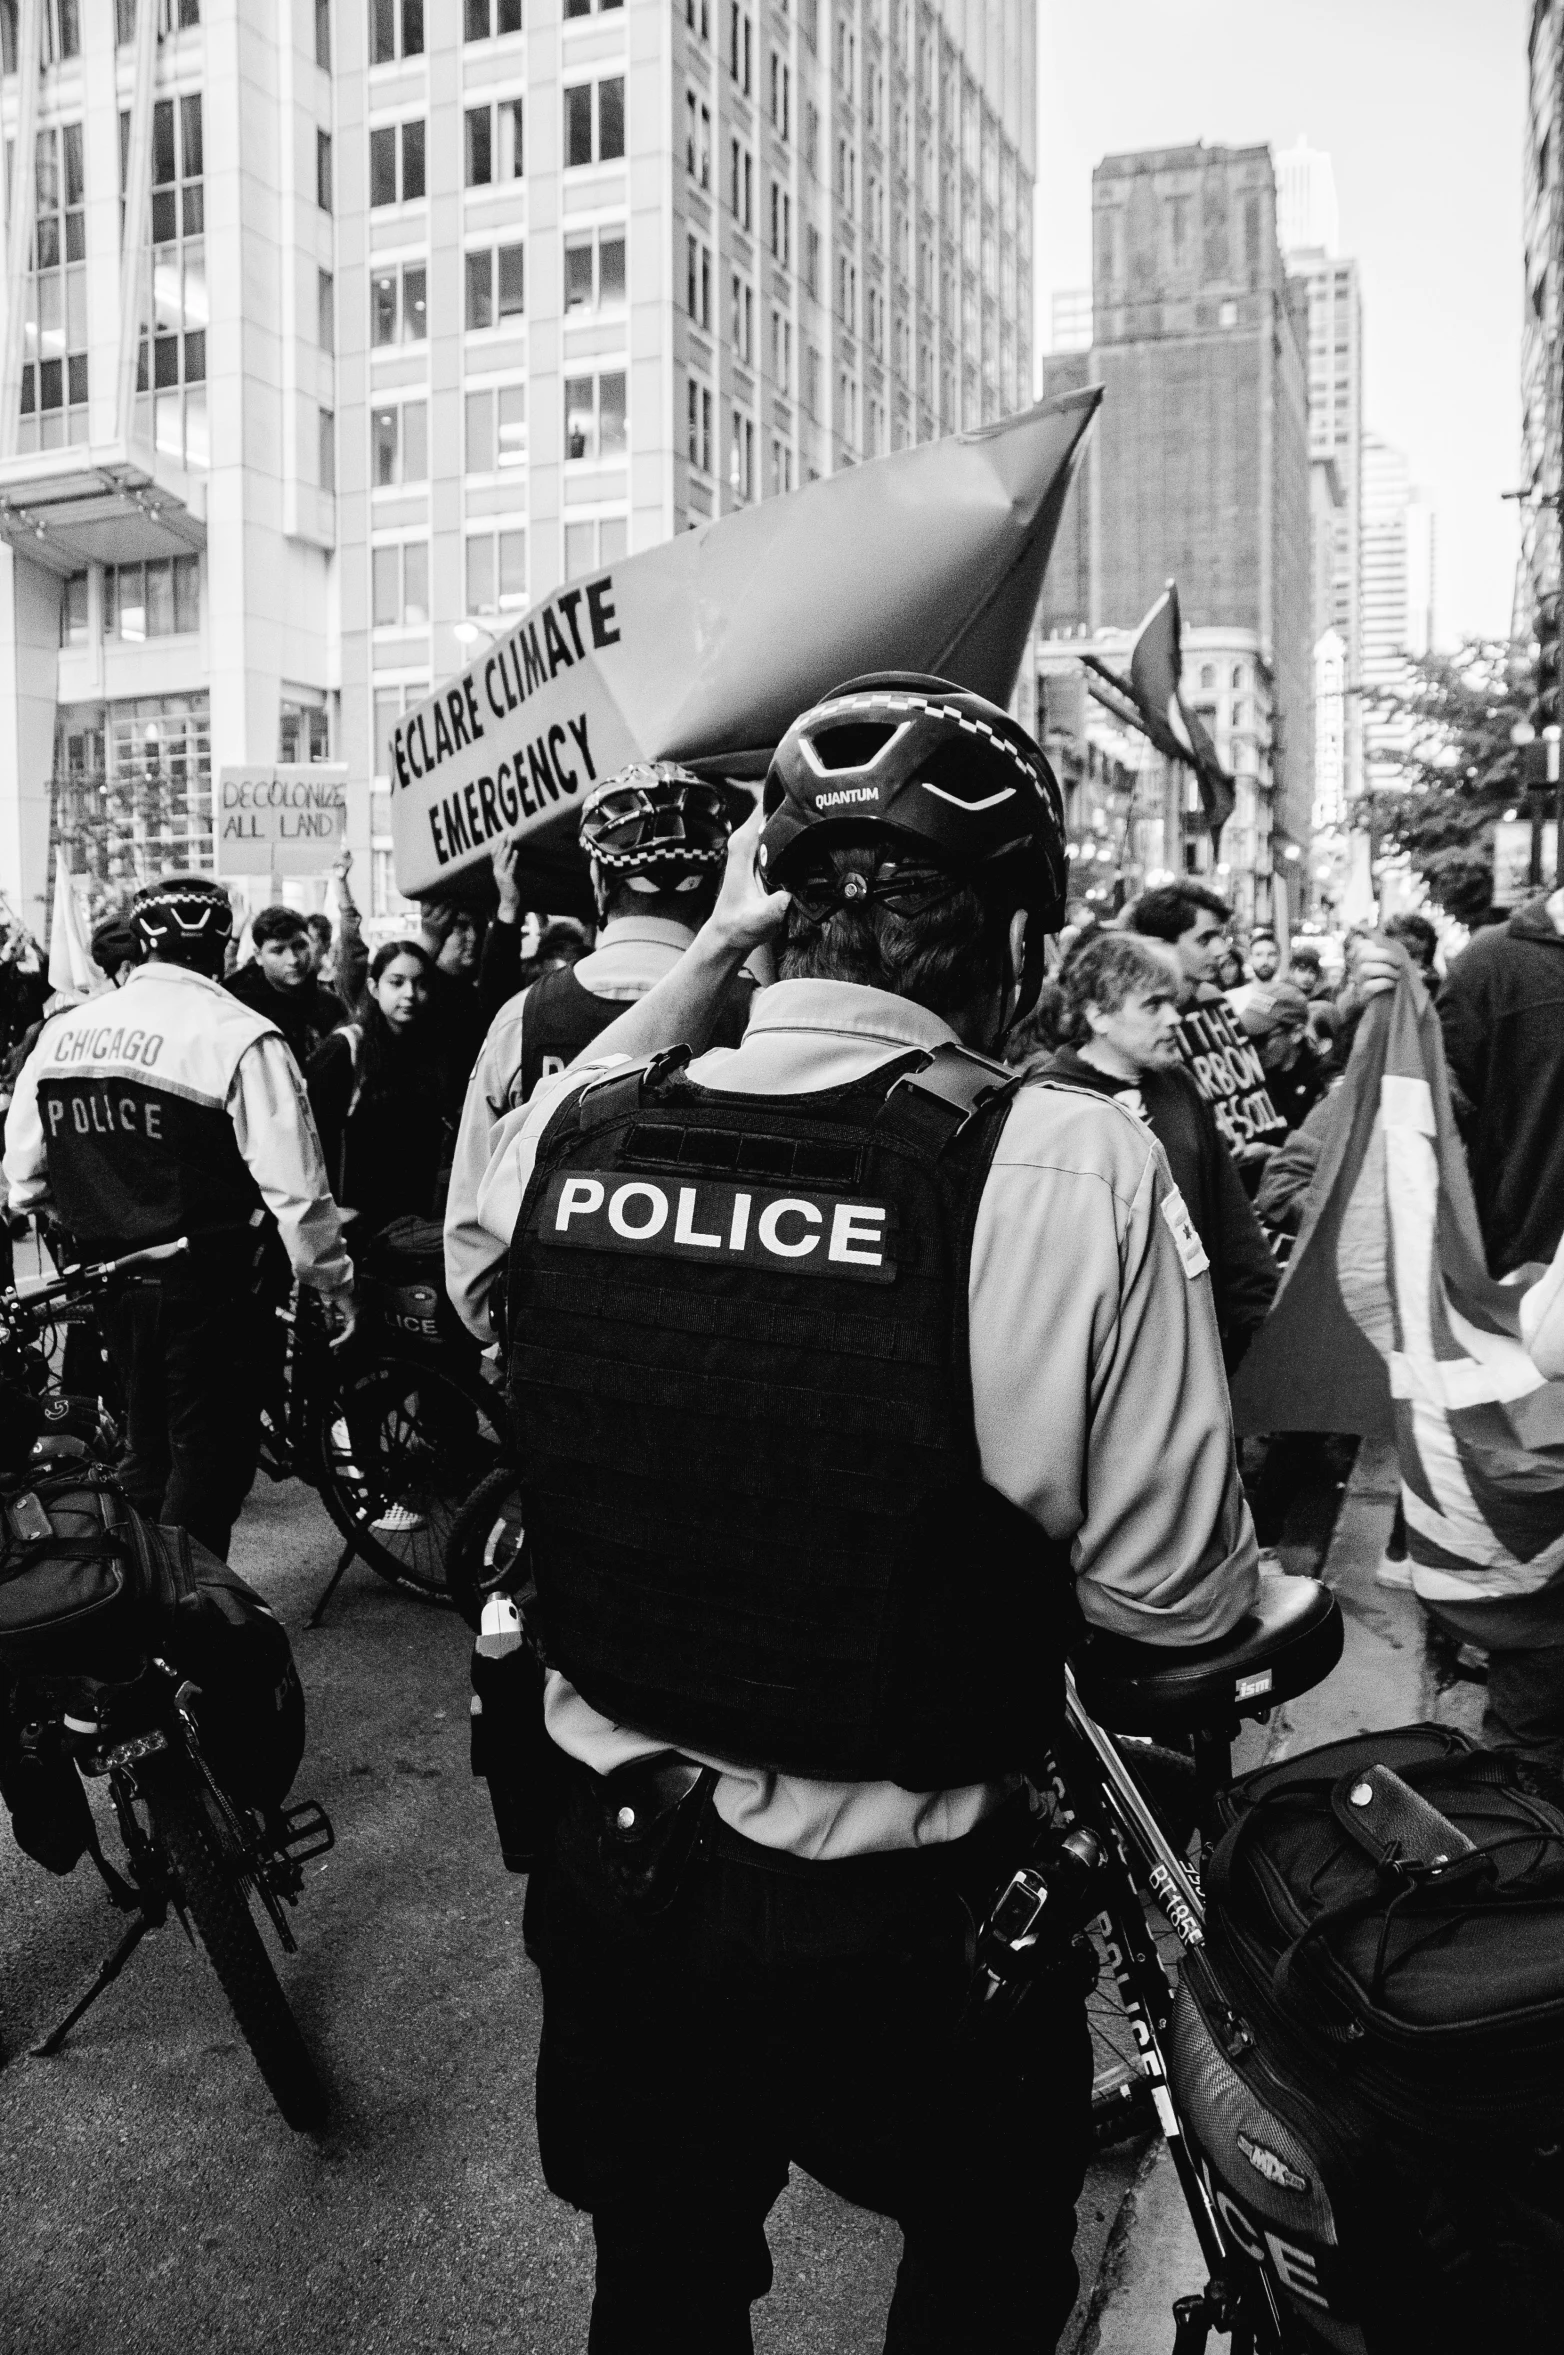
column 171, row 359
column 53, row 398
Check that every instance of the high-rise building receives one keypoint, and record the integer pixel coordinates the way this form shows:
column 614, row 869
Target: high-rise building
column 1307, row 214
column 1199, row 471
column 1542, row 323
column 1336, row 440
column 1398, row 587
column 335, row 328
column 1070, row 320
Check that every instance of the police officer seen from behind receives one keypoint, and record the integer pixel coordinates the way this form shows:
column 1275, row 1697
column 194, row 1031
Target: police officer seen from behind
column 655, row 839
column 171, row 1109
column 847, row 1370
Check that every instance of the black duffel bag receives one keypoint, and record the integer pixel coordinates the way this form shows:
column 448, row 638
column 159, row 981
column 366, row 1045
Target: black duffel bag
column 90, row 1590
column 1369, row 2052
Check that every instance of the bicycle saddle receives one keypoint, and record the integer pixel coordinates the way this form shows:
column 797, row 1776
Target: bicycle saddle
column 1289, row 1639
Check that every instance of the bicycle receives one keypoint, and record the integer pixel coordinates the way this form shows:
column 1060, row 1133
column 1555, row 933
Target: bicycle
column 33, row 1327
column 393, row 1433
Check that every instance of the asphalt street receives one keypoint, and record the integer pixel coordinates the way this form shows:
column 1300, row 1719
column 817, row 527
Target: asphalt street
column 155, row 2203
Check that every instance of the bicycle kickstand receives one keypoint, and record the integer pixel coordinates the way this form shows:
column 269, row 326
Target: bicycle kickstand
column 1213, row 2310
column 108, row 1971
column 330, row 1587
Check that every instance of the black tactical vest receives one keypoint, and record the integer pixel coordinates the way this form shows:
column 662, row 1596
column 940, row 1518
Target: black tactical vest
column 560, row 1018
column 743, row 1408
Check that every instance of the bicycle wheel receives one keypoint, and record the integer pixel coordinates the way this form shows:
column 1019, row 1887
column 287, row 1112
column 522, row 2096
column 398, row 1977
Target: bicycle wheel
column 400, row 1444
column 214, row 1900
column 485, row 1541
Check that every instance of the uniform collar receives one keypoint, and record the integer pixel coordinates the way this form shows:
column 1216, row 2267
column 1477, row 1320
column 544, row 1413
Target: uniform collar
column 659, row 930
column 849, row 1009
column 181, row 974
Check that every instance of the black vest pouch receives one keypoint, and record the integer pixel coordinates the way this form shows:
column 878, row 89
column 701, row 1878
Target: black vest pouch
column 741, row 1384
column 629, row 1841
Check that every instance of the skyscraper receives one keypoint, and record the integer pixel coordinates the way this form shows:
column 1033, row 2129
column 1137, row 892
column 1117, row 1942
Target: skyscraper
column 1307, row 214
column 430, row 308
column 1199, row 471
column 1398, row 585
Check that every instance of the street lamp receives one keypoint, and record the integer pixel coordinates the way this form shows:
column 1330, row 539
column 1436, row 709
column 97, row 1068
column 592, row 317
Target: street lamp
column 467, row 633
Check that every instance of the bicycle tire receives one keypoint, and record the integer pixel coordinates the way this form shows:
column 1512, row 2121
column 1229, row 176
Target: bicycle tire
column 217, row 1908
column 427, row 1432
column 485, row 1538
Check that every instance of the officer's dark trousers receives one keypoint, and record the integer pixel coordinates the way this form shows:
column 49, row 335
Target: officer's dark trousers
column 186, row 1348
column 785, row 2011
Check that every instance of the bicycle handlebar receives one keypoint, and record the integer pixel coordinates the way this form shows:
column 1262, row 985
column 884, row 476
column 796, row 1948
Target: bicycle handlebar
column 87, row 1277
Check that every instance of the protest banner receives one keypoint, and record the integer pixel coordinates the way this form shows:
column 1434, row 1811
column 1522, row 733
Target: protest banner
column 285, row 820
column 1388, row 1324
column 706, row 648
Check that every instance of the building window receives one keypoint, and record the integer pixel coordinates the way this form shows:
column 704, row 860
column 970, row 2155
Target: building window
column 781, row 467
column 323, row 35
column 595, row 270
column 697, row 15
column 741, row 456
column 595, row 415
column 781, row 226
column 60, row 31
column 399, row 444
column 322, row 167
column 495, row 144
column 781, row 96
column 54, row 330
column 741, row 46
column 396, row 145
column 698, row 281
column 590, row 545
column 325, row 310
column 328, row 450
column 698, row 411
column 812, row 261
column 781, row 352
column 595, row 122
column 171, row 360
column 73, row 611
column 496, row 571
column 303, row 734
column 496, row 428
column 741, row 184
column 400, row 577
column 488, row 20
column 496, row 286
column 396, row 29
column 399, row 304
column 143, row 601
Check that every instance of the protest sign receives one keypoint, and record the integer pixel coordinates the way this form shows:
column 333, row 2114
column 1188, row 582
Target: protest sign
column 707, row 648
column 280, row 820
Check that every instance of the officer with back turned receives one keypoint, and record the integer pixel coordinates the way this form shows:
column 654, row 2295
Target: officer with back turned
column 168, row 1110
column 655, row 838
column 847, row 1371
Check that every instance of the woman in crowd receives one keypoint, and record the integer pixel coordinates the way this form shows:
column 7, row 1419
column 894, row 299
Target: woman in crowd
column 385, row 1097
column 1114, row 1010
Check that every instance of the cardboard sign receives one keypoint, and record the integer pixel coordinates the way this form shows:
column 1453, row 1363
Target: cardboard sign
column 708, row 647
column 281, row 821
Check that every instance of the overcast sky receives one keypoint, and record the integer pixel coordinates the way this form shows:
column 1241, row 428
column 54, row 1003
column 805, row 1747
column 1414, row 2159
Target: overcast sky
column 1421, row 106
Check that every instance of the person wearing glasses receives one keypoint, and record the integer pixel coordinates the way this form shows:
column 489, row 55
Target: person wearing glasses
column 655, row 839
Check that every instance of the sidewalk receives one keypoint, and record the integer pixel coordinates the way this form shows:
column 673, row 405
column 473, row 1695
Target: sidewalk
column 1384, row 1678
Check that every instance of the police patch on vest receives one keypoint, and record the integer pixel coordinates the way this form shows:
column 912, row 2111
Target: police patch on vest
column 718, row 1222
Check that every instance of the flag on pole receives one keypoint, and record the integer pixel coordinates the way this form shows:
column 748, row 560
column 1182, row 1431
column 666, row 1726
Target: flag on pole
column 1387, row 1322
column 1156, row 662
column 70, row 959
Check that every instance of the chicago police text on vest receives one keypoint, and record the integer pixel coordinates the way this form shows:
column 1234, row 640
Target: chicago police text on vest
column 718, row 1222
column 530, row 771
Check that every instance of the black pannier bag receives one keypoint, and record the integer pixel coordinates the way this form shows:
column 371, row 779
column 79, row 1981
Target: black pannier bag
column 90, row 1590
column 403, row 1269
column 1369, row 2052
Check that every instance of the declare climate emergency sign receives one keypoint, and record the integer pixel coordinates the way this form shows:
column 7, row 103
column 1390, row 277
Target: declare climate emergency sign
column 513, row 743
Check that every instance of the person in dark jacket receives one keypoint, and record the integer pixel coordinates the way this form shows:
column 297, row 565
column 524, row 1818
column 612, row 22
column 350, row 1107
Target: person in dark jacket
column 1502, row 1012
column 383, row 1099
column 281, row 982
column 1117, row 1011
column 1277, row 1022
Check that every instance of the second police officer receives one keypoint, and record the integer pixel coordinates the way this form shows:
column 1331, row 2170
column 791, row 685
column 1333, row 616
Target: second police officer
column 655, row 839
column 847, row 1371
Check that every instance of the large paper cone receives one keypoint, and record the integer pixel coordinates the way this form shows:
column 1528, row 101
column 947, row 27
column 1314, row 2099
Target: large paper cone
column 707, row 648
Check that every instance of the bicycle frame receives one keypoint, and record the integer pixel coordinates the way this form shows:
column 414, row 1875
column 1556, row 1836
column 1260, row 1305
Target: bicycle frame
column 1103, row 1792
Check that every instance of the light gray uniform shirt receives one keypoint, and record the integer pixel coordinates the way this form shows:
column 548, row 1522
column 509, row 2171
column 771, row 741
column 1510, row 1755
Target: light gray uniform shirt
column 1098, row 1390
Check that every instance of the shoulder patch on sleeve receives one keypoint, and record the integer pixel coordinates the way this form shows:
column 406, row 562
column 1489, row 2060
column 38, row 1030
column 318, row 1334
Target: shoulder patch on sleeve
column 1182, row 1228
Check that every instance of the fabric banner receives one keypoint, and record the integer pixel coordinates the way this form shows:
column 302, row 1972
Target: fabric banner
column 1388, row 1323
column 1156, row 668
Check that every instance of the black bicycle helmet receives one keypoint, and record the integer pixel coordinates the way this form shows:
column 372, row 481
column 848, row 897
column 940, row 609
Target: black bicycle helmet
column 187, row 919
column 955, row 788
column 654, row 818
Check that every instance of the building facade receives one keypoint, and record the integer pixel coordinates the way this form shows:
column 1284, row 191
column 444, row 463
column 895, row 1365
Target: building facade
column 1542, row 324
column 1399, row 580
column 1199, row 472
column 1336, row 443
column 338, row 330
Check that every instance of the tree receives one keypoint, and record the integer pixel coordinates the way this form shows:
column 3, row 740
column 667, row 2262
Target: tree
column 1445, row 766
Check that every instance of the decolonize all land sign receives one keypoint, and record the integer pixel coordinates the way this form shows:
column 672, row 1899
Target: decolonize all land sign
column 707, row 647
